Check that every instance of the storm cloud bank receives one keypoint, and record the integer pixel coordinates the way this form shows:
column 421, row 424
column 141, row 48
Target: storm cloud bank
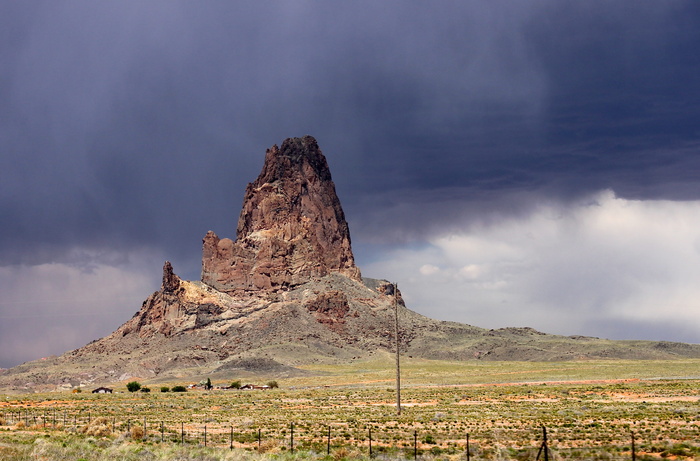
column 129, row 129
column 606, row 267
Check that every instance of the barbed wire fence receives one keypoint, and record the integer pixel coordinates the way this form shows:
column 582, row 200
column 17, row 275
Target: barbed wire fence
column 372, row 439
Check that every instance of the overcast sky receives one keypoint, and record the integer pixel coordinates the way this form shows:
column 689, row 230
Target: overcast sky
column 508, row 163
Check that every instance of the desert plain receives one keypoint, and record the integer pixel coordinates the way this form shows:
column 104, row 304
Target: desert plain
column 599, row 409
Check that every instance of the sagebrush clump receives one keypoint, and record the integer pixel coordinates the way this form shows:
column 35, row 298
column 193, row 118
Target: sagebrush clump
column 98, row 427
column 137, row 432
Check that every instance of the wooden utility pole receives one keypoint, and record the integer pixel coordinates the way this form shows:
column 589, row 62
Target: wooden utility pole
column 396, row 338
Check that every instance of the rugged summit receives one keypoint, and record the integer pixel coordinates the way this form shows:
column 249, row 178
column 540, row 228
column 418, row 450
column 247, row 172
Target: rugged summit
column 291, row 228
column 287, row 294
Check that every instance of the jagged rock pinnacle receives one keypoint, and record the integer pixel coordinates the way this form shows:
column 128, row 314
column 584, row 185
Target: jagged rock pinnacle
column 171, row 282
column 291, row 228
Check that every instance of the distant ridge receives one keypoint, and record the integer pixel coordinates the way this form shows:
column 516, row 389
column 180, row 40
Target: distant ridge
column 287, row 293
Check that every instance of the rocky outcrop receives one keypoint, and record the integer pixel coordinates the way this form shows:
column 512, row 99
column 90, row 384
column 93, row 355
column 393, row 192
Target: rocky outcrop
column 330, row 309
column 291, row 229
column 171, row 282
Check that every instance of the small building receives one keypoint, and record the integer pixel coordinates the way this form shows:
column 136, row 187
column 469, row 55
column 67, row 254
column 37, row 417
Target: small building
column 102, row 390
column 253, row 387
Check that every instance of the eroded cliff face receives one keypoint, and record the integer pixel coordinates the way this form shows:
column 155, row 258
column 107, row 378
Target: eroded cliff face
column 291, row 229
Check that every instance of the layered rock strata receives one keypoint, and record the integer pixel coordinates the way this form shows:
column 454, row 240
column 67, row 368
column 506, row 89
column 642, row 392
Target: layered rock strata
column 291, row 229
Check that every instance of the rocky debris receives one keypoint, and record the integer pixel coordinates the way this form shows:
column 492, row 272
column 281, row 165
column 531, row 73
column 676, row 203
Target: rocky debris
column 330, row 308
column 333, row 304
column 385, row 288
column 292, row 227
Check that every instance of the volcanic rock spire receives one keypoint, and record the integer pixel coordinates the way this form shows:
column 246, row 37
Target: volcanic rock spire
column 291, row 228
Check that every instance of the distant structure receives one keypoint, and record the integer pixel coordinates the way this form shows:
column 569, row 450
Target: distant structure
column 102, row 390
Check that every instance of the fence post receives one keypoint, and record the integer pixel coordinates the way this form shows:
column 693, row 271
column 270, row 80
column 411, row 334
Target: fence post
column 370, row 441
column 205, row 436
column 259, row 430
column 182, row 433
column 162, row 432
column 292, row 439
column 467, row 446
column 231, row 439
column 415, row 444
column 328, row 447
column 634, row 456
column 543, row 447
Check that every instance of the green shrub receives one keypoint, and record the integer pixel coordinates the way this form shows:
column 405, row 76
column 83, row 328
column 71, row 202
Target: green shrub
column 164, row 389
column 145, row 389
column 236, row 385
column 273, row 384
column 179, row 389
column 133, row 386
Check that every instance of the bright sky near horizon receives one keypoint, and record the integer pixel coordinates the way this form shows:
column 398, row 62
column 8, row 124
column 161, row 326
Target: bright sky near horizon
column 507, row 163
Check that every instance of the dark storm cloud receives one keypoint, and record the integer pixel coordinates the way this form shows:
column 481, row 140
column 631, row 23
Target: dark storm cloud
column 142, row 123
column 131, row 127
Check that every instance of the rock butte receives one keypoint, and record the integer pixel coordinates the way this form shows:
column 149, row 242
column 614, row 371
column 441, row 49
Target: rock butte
column 291, row 228
column 287, row 293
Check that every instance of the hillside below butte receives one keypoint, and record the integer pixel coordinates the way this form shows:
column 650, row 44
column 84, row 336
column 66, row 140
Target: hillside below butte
column 287, row 293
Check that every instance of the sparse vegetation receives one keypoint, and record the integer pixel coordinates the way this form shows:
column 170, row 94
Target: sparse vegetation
column 590, row 418
column 98, row 427
column 137, row 432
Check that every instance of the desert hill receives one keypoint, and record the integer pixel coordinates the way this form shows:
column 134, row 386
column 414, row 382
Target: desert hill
column 286, row 292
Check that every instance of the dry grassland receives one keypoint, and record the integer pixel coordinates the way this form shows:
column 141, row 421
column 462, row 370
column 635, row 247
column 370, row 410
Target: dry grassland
column 591, row 411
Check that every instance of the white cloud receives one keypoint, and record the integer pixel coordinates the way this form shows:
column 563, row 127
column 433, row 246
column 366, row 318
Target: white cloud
column 429, row 269
column 51, row 308
column 604, row 267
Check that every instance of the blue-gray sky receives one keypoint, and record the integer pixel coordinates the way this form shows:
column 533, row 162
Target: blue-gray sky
column 508, row 163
